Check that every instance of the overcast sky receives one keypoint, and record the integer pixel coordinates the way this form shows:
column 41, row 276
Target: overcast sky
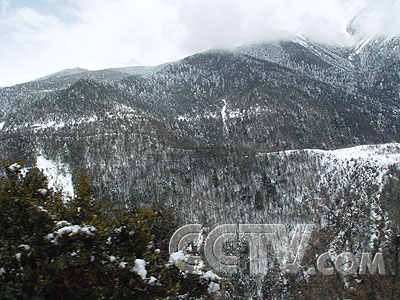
column 39, row 37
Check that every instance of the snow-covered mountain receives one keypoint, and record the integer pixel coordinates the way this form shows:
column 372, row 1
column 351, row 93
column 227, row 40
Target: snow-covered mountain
column 283, row 95
column 279, row 132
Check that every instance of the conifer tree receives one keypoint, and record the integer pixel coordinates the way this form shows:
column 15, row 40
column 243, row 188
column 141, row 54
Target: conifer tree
column 53, row 247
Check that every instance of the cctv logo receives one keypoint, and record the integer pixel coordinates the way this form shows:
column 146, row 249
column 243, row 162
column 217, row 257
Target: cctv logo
column 263, row 239
column 260, row 238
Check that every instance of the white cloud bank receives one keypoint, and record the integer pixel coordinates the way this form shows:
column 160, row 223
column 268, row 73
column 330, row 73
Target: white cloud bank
column 97, row 34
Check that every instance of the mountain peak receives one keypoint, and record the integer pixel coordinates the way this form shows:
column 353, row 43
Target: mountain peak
column 130, row 63
column 65, row 72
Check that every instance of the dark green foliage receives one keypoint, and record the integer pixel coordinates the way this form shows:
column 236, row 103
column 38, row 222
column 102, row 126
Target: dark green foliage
column 57, row 248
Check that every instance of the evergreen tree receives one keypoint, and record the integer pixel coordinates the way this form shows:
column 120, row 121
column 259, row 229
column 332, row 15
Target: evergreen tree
column 52, row 247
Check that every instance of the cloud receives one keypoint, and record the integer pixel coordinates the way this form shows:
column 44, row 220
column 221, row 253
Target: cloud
column 210, row 23
column 4, row 6
column 379, row 17
column 95, row 34
column 99, row 36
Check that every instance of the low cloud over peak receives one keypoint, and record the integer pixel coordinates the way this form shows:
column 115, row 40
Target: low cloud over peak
column 45, row 36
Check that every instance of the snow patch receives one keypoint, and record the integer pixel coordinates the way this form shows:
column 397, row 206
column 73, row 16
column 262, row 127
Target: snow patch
column 63, row 223
column 210, row 275
column 300, row 40
column 183, row 118
column 58, row 175
column 70, row 230
column 140, row 268
column 50, row 124
column 177, row 258
column 360, row 47
column 25, row 247
column 383, row 155
column 213, row 287
column 224, row 116
column 152, row 280
column 14, row 167
column 42, row 191
column 42, row 209
column 363, row 44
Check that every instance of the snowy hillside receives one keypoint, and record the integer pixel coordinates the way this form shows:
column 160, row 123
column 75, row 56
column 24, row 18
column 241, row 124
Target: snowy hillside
column 289, row 132
column 226, row 185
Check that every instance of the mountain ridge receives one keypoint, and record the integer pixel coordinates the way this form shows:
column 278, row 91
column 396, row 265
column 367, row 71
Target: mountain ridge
column 289, row 132
column 267, row 97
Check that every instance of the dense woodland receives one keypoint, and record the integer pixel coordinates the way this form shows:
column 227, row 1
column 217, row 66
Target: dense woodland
column 57, row 248
column 54, row 247
column 289, row 132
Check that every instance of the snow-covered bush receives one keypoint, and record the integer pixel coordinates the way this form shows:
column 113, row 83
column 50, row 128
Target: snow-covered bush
column 78, row 249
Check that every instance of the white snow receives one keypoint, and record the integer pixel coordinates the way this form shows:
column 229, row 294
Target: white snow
column 2, row 125
column 224, row 116
column 384, row 155
column 43, row 191
column 49, row 124
column 368, row 163
column 2, row 271
column 360, row 47
column 123, row 109
column 381, row 154
column 210, row 275
column 42, row 209
column 140, row 268
column 213, row 287
column 70, row 230
column 63, row 223
column 177, row 257
column 300, row 40
column 26, row 247
column 183, row 118
column 373, row 237
column 152, row 280
column 362, row 44
column 199, row 240
column 58, row 175
column 14, row 167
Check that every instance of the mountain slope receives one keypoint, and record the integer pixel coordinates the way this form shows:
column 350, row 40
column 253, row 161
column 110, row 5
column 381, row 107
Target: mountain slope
column 258, row 98
column 289, row 132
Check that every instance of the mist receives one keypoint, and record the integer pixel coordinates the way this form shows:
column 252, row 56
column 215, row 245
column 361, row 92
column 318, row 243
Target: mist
column 47, row 35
